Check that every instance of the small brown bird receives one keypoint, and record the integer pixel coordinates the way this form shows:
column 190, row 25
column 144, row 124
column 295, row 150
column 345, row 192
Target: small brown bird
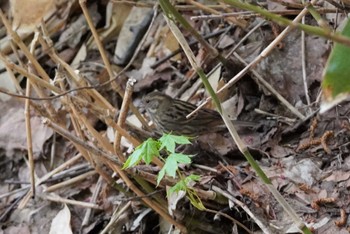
column 169, row 115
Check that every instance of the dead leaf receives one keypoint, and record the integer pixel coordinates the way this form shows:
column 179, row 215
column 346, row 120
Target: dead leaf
column 12, row 129
column 338, row 176
column 61, row 223
column 173, row 199
column 27, row 14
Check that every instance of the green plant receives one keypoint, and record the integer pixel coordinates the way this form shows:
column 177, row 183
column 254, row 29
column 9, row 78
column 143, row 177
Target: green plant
column 167, row 143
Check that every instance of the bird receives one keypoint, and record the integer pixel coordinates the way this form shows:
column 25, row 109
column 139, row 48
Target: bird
column 169, row 116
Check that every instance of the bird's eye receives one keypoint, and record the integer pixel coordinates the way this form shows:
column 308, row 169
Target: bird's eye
column 147, row 101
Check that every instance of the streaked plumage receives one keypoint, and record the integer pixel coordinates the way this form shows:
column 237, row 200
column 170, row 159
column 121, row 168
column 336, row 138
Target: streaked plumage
column 169, row 115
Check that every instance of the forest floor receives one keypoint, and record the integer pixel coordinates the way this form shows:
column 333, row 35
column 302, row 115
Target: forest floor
column 73, row 157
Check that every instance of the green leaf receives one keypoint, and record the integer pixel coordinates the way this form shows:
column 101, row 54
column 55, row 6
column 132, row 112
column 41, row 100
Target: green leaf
column 169, row 169
column 183, row 185
column 151, row 149
column 169, row 142
column 146, row 151
column 191, row 178
column 191, row 194
column 161, row 175
column 194, row 199
column 171, row 165
column 133, row 159
column 179, row 186
column 180, row 158
column 336, row 78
